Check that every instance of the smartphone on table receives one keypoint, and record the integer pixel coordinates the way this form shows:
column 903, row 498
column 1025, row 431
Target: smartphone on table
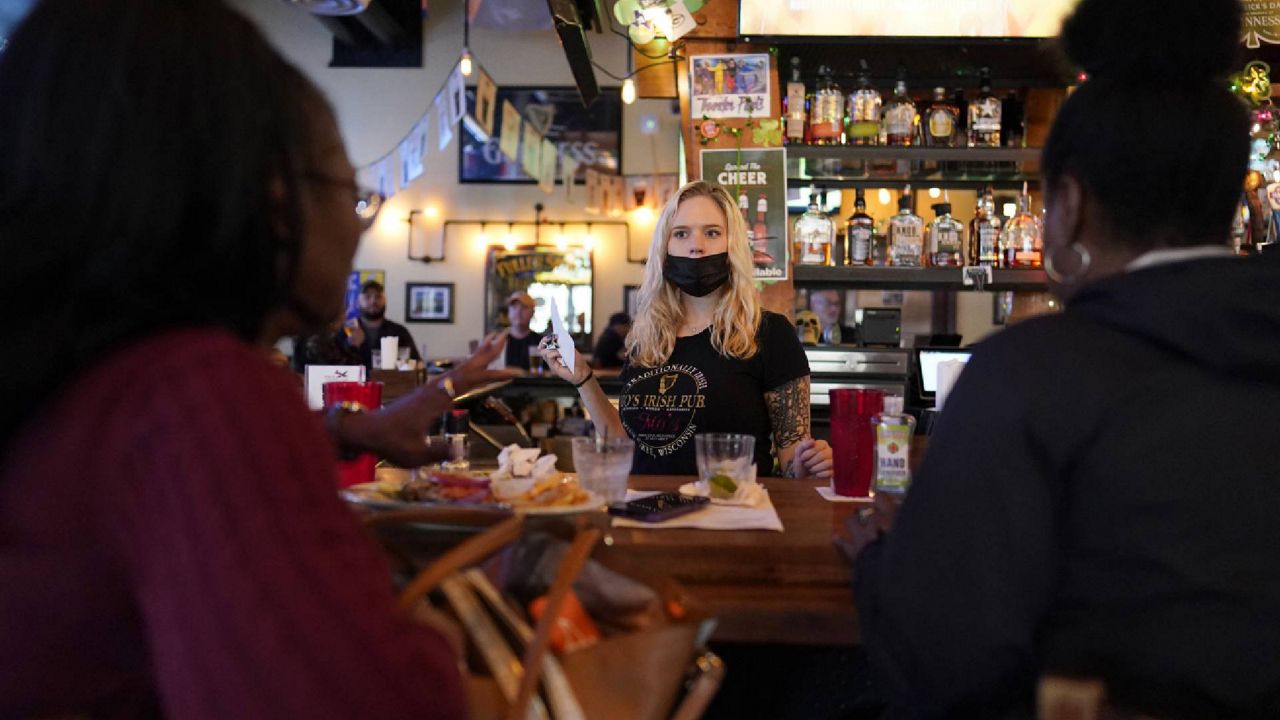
column 656, row 508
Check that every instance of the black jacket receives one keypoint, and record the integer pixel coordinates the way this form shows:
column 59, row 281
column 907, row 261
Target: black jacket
column 1101, row 497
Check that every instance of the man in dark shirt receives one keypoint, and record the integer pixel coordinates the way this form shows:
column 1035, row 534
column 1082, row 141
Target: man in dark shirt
column 375, row 326
column 611, row 346
column 521, row 338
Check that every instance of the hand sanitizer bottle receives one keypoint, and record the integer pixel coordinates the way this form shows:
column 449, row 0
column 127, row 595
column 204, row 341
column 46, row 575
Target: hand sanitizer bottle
column 894, row 430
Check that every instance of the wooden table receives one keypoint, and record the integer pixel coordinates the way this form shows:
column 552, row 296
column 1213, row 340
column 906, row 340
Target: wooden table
column 765, row 587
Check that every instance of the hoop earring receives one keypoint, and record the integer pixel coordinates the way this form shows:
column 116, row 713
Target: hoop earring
column 1073, row 278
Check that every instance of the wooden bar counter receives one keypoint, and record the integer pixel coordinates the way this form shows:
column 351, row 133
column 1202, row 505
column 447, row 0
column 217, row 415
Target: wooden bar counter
column 787, row 587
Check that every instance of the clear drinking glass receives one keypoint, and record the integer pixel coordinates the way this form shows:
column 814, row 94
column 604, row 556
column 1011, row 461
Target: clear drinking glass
column 727, row 454
column 603, row 466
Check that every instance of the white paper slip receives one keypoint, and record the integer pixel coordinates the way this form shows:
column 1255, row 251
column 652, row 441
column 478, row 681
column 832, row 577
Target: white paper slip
column 828, row 493
column 390, row 351
column 563, row 338
column 948, row 373
column 318, row 375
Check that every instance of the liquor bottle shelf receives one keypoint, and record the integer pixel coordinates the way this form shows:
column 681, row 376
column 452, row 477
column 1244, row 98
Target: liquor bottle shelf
column 971, row 181
column 906, row 278
column 868, row 153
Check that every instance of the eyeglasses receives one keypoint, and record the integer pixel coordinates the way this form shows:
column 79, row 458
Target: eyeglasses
column 366, row 202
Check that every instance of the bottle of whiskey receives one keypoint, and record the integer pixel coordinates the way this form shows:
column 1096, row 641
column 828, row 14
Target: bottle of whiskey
column 900, row 115
column 794, row 114
column 864, row 113
column 814, row 234
column 938, row 126
column 984, row 114
column 1012, row 121
column 826, row 111
column 760, row 234
column 984, row 232
column 906, row 234
column 1022, row 241
column 946, row 238
column 858, row 231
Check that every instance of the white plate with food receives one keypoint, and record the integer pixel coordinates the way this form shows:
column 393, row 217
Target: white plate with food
column 557, row 495
column 400, row 489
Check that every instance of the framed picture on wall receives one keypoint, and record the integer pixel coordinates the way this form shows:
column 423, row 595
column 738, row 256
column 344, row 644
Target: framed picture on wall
column 592, row 136
column 630, row 296
column 428, row 302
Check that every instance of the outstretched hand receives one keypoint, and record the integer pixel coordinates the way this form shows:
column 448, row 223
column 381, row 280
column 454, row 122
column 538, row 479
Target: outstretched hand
column 867, row 525
column 397, row 432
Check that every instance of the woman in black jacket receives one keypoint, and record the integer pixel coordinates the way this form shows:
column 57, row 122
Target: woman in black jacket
column 1093, row 501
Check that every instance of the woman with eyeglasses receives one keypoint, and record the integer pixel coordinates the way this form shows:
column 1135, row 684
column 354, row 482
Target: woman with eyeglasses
column 1098, row 498
column 175, row 197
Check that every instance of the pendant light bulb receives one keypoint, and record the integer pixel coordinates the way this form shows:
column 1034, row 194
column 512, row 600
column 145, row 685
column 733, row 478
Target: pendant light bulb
column 628, row 91
column 465, row 63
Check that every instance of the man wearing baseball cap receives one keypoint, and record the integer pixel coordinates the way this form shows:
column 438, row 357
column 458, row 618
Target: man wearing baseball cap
column 520, row 306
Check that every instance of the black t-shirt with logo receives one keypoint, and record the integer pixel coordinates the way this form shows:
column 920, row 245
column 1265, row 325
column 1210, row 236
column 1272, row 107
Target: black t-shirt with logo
column 698, row 390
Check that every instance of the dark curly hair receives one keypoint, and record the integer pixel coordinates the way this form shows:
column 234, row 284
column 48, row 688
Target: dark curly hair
column 1154, row 135
column 139, row 140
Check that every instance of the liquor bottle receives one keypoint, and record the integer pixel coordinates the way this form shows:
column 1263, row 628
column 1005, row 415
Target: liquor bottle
column 814, row 234
column 1022, row 240
column 894, row 432
column 858, row 231
column 984, row 232
column 864, row 113
column 826, row 111
column 1012, row 127
column 906, row 234
column 984, row 114
column 938, row 126
column 900, row 116
column 760, row 234
column 946, row 238
column 794, row 114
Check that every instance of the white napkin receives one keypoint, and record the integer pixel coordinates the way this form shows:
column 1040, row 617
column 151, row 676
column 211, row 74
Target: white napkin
column 712, row 517
column 518, row 462
column 749, row 493
column 567, row 351
column 828, row 493
column 948, row 374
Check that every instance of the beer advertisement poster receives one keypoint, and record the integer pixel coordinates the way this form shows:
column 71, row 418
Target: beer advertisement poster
column 756, row 178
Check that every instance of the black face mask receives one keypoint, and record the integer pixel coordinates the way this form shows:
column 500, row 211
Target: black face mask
column 697, row 276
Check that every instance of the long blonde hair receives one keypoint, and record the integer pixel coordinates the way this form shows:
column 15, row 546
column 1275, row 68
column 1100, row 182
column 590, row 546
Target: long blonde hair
column 660, row 311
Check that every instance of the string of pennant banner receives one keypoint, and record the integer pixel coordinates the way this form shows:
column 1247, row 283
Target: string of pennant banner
column 522, row 138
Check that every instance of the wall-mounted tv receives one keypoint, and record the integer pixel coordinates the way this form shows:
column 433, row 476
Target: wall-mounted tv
column 903, row 18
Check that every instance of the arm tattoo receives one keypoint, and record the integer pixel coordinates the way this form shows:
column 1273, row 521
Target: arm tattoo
column 789, row 412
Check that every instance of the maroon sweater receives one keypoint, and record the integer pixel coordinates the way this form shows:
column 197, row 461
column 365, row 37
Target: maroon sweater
column 170, row 538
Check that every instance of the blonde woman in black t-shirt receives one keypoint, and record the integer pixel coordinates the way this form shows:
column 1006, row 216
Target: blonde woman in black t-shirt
column 702, row 355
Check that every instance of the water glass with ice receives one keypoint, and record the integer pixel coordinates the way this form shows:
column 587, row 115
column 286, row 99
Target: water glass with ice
column 603, row 466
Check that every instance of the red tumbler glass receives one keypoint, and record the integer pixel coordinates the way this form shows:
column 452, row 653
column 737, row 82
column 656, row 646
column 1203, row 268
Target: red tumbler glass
column 367, row 396
column 853, row 439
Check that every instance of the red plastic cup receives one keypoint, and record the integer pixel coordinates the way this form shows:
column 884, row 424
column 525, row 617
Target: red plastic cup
column 368, row 395
column 853, row 439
